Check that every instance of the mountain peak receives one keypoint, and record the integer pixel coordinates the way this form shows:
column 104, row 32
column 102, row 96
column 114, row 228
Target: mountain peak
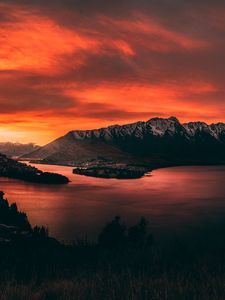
column 174, row 119
column 158, row 119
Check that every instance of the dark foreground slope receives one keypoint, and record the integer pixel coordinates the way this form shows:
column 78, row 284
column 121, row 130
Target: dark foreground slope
column 143, row 143
column 13, row 169
column 124, row 263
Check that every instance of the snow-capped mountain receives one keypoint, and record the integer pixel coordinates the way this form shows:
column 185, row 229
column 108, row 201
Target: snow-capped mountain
column 156, row 127
column 157, row 137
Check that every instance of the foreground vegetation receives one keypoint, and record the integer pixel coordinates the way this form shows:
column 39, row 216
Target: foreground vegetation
column 124, row 263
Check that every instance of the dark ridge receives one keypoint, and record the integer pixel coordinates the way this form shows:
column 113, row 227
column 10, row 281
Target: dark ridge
column 13, row 169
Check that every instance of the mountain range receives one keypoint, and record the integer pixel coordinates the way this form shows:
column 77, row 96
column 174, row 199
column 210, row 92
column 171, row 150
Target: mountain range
column 157, row 141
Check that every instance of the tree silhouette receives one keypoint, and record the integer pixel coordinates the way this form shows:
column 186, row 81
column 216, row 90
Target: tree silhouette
column 113, row 234
column 9, row 215
column 138, row 236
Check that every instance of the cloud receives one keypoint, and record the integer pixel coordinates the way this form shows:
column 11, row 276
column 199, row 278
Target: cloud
column 33, row 42
column 90, row 63
column 17, row 95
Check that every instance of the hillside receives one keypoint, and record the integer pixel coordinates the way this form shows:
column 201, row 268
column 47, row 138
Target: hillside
column 70, row 150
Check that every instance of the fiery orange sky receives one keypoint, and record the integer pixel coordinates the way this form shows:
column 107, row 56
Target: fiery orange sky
column 82, row 64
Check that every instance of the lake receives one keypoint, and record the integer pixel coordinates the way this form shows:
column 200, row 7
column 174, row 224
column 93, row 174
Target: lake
column 172, row 199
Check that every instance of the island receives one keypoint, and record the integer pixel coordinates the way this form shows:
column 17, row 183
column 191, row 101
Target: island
column 117, row 171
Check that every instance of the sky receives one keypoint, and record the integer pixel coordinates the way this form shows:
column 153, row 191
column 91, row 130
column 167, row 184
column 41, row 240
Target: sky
column 84, row 64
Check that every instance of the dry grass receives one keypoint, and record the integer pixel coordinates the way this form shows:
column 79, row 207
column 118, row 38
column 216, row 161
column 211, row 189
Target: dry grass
column 124, row 286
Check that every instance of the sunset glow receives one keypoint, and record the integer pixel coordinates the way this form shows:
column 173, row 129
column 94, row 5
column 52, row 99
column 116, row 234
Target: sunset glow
column 68, row 65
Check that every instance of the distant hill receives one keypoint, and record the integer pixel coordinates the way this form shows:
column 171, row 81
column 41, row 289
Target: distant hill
column 17, row 149
column 142, row 142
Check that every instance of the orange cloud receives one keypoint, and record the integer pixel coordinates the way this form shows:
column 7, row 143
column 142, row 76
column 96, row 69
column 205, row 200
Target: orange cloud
column 35, row 43
column 32, row 42
column 61, row 70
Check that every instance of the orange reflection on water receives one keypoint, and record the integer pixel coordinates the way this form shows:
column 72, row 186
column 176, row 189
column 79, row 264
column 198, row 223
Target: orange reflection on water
column 171, row 198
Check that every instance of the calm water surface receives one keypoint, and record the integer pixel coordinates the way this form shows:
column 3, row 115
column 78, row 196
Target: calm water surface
column 172, row 199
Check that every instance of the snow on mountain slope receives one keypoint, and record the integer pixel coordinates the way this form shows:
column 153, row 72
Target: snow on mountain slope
column 156, row 136
column 155, row 126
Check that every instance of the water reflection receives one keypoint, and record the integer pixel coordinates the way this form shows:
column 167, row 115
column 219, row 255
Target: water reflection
column 172, row 199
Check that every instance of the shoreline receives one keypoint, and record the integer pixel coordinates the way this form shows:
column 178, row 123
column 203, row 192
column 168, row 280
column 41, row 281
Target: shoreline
column 141, row 170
